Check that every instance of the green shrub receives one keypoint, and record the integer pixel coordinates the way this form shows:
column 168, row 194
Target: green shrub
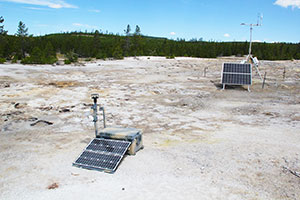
column 15, row 59
column 2, row 60
column 87, row 59
column 37, row 57
column 42, row 60
column 67, row 62
column 101, row 55
column 26, row 60
column 170, row 57
column 72, row 57
column 49, row 60
column 118, row 53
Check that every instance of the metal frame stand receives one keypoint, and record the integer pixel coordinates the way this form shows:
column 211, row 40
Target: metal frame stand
column 249, row 57
column 95, row 114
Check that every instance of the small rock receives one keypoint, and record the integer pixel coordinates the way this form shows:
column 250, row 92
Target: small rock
column 32, row 119
column 53, row 186
column 65, row 110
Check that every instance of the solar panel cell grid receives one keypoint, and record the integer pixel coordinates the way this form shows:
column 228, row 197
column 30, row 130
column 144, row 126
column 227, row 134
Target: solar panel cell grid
column 98, row 160
column 102, row 154
column 237, row 74
column 236, row 68
column 108, row 146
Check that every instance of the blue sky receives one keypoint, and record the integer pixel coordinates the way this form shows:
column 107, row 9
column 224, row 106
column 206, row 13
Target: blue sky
column 217, row 20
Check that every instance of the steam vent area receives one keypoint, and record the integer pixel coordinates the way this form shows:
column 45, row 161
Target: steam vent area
column 199, row 140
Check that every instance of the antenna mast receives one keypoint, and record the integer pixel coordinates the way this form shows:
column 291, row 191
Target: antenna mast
column 249, row 57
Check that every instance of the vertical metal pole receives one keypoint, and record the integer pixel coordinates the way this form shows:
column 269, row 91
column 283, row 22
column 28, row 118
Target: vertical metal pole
column 104, row 119
column 95, row 115
column 250, row 46
column 205, row 71
column 265, row 76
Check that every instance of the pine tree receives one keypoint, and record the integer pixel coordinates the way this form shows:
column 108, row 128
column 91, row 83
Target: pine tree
column 36, row 56
column 22, row 30
column 3, row 40
column 2, row 31
column 137, row 41
column 127, row 31
column 96, row 44
column 137, row 30
column 127, row 41
column 49, row 54
column 22, row 33
column 49, row 50
column 118, row 53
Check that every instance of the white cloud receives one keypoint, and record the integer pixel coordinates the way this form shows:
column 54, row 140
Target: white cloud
column 48, row 3
column 94, row 10
column 172, row 33
column 287, row 3
column 226, row 35
column 35, row 8
column 84, row 25
column 77, row 24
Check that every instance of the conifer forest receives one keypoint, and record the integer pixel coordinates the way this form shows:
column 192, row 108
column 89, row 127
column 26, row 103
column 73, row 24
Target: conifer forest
column 73, row 45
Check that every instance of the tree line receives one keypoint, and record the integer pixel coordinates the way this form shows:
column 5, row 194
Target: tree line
column 44, row 49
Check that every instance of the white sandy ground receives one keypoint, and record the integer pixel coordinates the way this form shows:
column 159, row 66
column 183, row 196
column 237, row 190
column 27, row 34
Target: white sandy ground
column 200, row 142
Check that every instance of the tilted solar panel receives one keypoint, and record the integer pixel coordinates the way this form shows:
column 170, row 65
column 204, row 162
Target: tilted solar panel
column 236, row 79
column 237, row 68
column 102, row 154
column 106, row 145
column 98, row 161
column 236, row 74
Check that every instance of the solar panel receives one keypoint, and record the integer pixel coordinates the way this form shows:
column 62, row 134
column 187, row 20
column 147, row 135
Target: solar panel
column 236, row 74
column 102, row 154
column 236, row 68
column 92, row 160
column 105, row 145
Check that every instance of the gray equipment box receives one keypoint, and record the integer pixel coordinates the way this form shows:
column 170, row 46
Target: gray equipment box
column 132, row 135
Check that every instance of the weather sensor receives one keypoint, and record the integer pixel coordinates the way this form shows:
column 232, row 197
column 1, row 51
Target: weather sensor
column 250, row 58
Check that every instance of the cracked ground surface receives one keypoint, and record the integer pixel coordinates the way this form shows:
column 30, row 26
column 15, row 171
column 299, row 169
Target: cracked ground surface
column 200, row 142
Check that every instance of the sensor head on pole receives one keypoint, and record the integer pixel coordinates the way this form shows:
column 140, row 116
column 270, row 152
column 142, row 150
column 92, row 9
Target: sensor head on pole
column 94, row 96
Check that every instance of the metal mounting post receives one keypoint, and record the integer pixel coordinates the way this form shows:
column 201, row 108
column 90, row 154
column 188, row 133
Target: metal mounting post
column 103, row 114
column 95, row 115
column 204, row 73
column 263, row 84
column 249, row 57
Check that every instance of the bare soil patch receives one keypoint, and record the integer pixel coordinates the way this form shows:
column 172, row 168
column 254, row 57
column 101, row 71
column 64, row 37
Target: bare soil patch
column 200, row 142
